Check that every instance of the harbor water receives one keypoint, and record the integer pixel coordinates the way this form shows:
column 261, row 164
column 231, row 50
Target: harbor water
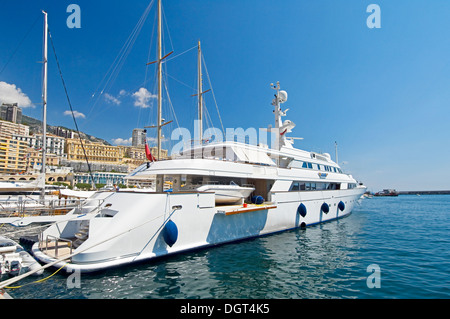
column 388, row 248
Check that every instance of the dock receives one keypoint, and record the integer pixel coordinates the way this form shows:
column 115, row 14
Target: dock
column 444, row 192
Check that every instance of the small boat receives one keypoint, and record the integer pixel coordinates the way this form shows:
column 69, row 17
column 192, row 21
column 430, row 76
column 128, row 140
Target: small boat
column 228, row 194
column 15, row 260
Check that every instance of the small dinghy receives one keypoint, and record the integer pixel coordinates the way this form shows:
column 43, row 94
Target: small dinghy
column 228, row 194
column 14, row 260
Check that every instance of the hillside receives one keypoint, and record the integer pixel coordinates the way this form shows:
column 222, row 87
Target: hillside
column 36, row 127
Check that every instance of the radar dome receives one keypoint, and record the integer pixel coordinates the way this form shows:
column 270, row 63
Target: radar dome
column 282, row 96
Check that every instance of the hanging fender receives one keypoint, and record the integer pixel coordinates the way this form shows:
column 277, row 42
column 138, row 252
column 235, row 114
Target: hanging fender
column 302, row 210
column 341, row 205
column 325, row 208
column 170, row 233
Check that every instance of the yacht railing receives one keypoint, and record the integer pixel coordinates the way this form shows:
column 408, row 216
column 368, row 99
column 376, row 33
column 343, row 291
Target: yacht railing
column 33, row 207
column 57, row 240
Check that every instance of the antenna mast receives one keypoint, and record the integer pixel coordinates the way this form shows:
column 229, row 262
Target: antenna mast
column 159, row 79
column 44, row 102
column 200, row 95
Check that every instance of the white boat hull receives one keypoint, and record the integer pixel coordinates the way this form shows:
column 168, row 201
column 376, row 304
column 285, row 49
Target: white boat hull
column 119, row 240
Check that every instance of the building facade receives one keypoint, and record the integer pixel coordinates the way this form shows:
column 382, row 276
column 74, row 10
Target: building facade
column 55, row 144
column 13, row 156
column 95, row 152
column 8, row 129
column 139, row 137
column 106, row 178
column 11, row 112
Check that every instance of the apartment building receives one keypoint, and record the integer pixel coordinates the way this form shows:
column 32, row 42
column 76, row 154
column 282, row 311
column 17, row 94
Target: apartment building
column 55, row 144
column 13, row 156
column 8, row 129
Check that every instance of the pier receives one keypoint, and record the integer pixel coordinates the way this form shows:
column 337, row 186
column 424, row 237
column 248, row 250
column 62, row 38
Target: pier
column 424, row 192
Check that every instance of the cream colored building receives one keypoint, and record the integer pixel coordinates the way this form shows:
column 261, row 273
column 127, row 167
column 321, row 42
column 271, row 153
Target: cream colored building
column 13, row 155
column 34, row 159
column 95, row 152
column 8, row 129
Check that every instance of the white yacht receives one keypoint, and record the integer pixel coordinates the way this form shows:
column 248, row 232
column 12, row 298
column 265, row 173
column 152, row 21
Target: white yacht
column 297, row 188
column 290, row 188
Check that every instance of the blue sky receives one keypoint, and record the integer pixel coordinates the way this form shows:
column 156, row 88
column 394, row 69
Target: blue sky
column 382, row 94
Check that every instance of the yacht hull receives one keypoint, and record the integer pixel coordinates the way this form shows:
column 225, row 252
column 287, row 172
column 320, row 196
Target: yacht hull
column 131, row 227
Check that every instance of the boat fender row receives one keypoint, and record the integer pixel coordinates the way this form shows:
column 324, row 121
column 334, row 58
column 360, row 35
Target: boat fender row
column 170, row 233
column 324, row 208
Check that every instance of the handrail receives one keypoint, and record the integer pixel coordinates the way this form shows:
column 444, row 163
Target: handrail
column 57, row 239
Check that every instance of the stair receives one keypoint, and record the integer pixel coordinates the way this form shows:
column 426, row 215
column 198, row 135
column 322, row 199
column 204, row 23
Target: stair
column 82, row 235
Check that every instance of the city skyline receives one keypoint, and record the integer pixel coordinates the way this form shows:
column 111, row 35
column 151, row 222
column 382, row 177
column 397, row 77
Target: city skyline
column 380, row 93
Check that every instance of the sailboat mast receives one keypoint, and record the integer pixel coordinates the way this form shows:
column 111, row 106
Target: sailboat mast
column 44, row 103
column 200, row 95
column 159, row 79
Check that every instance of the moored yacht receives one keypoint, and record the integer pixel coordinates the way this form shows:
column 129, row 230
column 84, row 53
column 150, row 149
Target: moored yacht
column 274, row 189
column 297, row 188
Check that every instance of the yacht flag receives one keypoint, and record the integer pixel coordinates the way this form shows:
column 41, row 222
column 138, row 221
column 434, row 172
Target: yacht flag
column 149, row 155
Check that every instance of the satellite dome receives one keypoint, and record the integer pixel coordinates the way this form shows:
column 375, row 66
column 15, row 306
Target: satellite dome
column 282, row 96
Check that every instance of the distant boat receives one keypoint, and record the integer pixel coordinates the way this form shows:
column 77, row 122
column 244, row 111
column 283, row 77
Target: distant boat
column 387, row 192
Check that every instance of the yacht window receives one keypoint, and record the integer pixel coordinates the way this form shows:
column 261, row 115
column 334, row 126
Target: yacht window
column 309, row 165
column 318, row 186
column 305, row 165
column 321, row 186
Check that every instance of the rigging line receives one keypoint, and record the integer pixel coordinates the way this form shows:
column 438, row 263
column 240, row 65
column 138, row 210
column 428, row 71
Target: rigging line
column 126, row 48
column 171, row 58
column 212, row 91
column 171, row 105
column 70, row 105
column 167, row 26
column 20, row 44
column 186, row 85
column 150, row 47
column 121, row 56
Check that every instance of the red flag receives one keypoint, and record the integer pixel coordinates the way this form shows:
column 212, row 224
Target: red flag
column 149, row 155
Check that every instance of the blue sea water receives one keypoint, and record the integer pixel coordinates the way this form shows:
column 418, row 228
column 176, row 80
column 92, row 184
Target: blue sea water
column 407, row 237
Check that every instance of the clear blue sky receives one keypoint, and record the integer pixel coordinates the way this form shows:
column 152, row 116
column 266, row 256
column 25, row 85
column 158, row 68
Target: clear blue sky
column 382, row 94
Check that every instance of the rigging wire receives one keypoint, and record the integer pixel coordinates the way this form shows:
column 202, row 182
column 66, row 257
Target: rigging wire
column 20, row 44
column 214, row 96
column 120, row 59
column 70, row 105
